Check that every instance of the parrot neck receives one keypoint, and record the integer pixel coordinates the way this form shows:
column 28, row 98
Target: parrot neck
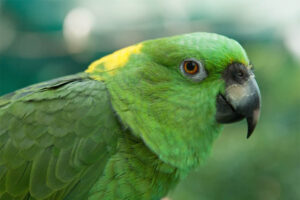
column 135, row 173
column 174, row 118
column 179, row 130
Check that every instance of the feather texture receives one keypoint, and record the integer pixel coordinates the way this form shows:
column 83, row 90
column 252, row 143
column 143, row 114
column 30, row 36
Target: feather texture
column 53, row 136
column 129, row 128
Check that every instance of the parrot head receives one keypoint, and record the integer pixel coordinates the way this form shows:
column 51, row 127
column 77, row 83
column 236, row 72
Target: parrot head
column 176, row 92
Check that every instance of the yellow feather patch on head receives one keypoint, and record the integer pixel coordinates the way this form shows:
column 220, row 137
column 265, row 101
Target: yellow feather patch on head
column 114, row 61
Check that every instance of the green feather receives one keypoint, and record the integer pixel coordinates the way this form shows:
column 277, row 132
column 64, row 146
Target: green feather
column 38, row 177
column 18, row 179
column 39, row 129
column 130, row 127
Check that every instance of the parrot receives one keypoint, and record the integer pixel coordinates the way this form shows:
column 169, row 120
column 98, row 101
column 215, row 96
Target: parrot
column 129, row 127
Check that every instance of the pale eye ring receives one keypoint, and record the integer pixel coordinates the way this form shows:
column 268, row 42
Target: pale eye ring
column 193, row 69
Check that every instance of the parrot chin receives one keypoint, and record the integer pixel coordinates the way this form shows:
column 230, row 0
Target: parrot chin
column 241, row 98
column 225, row 112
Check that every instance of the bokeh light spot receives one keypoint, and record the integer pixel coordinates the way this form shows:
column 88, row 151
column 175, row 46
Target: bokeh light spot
column 77, row 28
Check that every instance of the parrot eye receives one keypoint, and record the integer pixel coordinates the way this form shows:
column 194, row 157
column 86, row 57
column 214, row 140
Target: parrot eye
column 193, row 69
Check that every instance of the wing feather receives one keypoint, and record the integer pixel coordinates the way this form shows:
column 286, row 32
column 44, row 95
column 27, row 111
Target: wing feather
column 55, row 137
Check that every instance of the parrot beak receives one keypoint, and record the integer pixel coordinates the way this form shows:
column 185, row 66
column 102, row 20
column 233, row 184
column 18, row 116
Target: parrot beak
column 241, row 98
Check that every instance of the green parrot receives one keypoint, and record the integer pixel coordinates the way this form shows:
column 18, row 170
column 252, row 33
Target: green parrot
column 128, row 128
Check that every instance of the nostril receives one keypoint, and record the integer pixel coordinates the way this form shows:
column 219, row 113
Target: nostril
column 236, row 73
column 240, row 74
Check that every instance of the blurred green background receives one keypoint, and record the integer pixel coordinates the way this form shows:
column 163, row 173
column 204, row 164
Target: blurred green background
column 41, row 40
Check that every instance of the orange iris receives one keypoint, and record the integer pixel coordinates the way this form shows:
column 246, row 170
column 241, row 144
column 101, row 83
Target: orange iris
column 191, row 67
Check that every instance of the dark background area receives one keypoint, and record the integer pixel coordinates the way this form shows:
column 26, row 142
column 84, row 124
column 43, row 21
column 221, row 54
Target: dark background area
column 41, row 40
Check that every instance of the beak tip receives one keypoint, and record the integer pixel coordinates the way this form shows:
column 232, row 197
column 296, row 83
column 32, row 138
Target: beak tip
column 249, row 133
column 252, row 121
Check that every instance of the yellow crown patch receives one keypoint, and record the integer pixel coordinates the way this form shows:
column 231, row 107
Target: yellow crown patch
column 113, row 61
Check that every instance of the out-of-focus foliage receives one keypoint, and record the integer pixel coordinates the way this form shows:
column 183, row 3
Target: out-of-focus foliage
column 40, row 40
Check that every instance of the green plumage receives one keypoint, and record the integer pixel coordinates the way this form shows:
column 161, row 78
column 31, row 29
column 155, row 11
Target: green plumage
column 131, row 135
column 50, row 138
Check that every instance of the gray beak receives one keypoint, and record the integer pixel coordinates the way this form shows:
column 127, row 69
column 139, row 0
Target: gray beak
column 241, row 98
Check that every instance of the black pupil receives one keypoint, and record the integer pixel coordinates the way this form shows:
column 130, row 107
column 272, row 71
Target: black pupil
column 190, row 66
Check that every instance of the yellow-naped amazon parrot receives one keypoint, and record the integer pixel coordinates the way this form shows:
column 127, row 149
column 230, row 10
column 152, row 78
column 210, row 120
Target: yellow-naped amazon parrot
column 128, row 128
